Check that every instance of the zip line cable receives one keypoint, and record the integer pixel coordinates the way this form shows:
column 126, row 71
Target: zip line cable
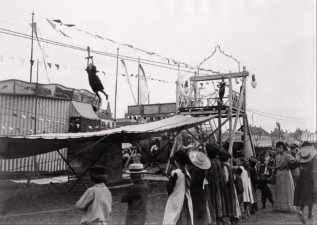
column 278, row 118
column 279, row 115
column 144, row 61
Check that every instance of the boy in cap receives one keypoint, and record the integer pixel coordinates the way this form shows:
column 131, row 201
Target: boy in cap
column 96, row 202
column 136, row 197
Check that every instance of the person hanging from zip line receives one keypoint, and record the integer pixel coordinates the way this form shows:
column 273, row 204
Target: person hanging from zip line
column 94, row 80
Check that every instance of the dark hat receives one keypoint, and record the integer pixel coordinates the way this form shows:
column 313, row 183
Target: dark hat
column 213, row 150
column 98, row 170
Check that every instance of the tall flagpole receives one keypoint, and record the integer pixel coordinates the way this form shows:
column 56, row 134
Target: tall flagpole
column 115, row 97
column 31, row 61
column 139, row 94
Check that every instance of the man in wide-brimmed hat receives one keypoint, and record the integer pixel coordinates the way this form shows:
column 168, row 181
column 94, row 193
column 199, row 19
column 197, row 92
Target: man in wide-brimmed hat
column 306, row 188
column 137, row 195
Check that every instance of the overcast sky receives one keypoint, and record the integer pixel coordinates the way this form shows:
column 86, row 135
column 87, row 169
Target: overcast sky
column 275, row 40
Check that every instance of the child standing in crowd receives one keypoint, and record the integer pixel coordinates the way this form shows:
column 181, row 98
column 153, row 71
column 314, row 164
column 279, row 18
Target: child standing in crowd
column 136, row 197
column 179, row 208
column 266, row 191
column 96, row 202
column 254, row 182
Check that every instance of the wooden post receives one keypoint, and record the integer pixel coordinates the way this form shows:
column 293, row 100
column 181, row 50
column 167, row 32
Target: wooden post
column 250, row 136
column 195, row 90
column 115, row 98
column 219, row 124
column 177, row 90
column 31, row 60
column 245, row 116
column 241, row 98
column 230, row 113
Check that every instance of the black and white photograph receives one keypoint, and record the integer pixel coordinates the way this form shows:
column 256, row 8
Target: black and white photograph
column 150, row 112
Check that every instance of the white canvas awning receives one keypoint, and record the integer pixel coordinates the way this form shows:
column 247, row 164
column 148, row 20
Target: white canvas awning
column 24, row 146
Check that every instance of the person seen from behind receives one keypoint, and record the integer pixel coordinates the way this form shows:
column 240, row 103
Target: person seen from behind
column 136, row 197
column 96, row 202
column 306, row 188
column 179, row 208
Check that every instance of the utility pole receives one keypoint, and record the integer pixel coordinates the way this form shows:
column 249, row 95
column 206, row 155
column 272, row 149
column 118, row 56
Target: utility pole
column 32, row 61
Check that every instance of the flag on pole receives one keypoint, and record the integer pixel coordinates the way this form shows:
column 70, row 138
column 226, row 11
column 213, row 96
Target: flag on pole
column 144, row 89
column 127, row 76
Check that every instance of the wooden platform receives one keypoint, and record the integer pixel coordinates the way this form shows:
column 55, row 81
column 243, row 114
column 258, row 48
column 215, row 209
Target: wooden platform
column 208, row 110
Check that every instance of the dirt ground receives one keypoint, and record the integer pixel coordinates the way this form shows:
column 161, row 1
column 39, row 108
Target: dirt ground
column 51, row 204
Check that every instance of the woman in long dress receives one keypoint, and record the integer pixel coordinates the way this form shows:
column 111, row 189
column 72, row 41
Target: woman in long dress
column 179, row 208
column 284, row 187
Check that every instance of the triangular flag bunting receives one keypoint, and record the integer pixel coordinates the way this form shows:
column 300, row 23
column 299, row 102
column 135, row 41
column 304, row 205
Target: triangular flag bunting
column 77, row 125
column 90, row 127
column 23, row 116
column 14, row 114
column 3, row 128
column 49, row 64
column 57, row 66
column 18, row 129
column 12, row 58
column 22, row 61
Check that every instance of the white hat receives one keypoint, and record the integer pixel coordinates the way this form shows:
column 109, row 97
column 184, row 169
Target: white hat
column 200, row 160
column 306, row 154
column 136, row 168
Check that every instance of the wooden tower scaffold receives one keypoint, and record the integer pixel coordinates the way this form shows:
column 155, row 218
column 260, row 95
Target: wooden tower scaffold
column 229, row 110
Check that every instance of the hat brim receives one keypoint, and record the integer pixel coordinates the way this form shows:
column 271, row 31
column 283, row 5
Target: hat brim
column 312, row 154
column 205, row 166
column 142, row 171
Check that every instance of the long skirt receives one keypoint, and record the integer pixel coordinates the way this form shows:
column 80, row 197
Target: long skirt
column 284, row 191
column 184, row 217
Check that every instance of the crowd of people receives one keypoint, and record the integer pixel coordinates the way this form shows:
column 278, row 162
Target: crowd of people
column 212, row 187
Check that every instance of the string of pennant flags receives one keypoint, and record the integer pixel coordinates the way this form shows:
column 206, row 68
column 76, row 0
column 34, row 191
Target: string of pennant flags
column 53, row 24
column 58, row 67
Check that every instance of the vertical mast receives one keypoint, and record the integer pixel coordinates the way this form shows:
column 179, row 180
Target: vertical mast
column 115, row 98
column 31, row 61
column 139, row 94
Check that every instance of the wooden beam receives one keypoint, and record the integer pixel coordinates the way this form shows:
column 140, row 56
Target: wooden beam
column 219, row 76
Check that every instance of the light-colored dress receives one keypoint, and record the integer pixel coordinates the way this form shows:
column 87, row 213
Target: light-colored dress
column 247, row 193
column 284, row 187
column 175, row 201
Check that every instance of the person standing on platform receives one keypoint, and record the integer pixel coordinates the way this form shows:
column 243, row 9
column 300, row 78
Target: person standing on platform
column 222, row 88
column 306, row 188
column 284, row 187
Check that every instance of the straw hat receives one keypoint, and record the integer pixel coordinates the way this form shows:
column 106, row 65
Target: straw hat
column 136, row 168
column 305, row 154
column 200, row 160
column 296, row 143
